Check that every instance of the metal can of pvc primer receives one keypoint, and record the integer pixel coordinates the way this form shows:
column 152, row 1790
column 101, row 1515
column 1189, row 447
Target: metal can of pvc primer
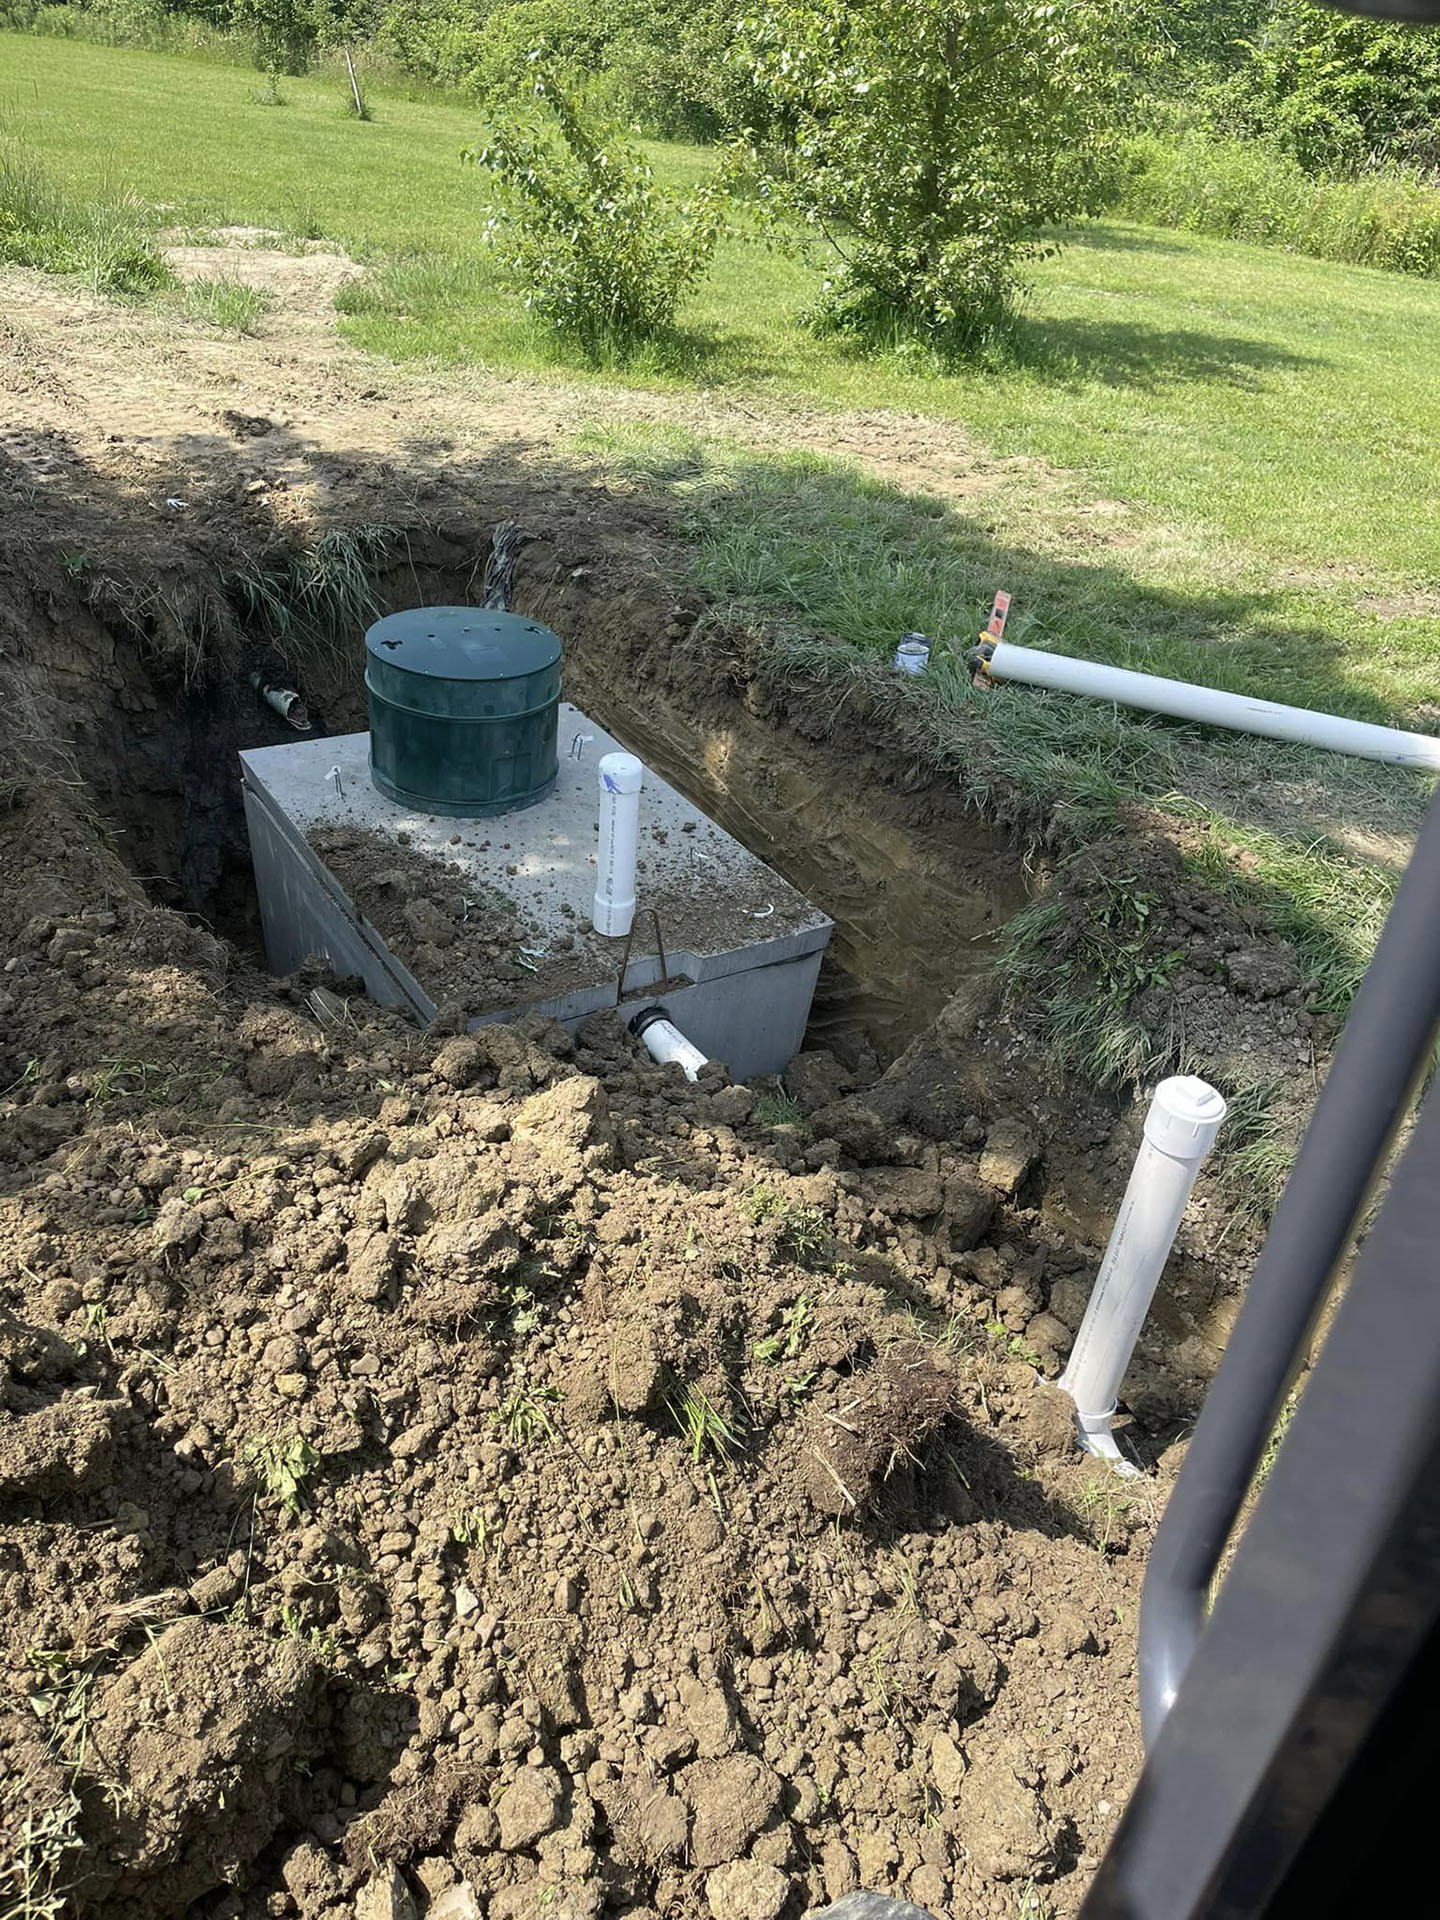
column 913, row 653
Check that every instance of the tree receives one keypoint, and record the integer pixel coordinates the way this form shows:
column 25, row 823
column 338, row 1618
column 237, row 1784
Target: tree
column 934, row 143
column 284, row 32
column 603, row 253
column 1337, row 92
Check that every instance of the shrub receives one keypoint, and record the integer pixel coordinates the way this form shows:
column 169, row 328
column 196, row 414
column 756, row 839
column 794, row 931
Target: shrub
column 1242, row 190
column 933, row 142
column 603, row 253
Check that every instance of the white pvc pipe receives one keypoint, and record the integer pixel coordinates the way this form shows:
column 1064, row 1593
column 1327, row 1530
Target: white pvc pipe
column 1180, row 1128
column 1208, row 705
column 664, row 1042
column 621, row 775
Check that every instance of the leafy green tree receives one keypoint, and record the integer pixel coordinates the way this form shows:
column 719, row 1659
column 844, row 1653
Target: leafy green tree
column 602, row 252
column 284, row 32
column 1338, row 92
column 934, row 143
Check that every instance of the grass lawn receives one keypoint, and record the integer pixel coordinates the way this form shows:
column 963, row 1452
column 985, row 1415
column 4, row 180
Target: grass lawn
column 1247, row 493
column 1286, row 403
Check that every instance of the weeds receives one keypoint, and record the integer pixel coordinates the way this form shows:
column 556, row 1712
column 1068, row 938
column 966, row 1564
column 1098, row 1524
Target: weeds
column 470, row 1528
column 701, row 1426
column 788, row 1342
column 44, row 226
column 320, row 597
column 802, row 1234
column 227, row 304
column 779, row 1110
column 1081, row 974
column 787, row 1345
column 525, row 1415
column 284, row 1466
column 36, row 1839
column 1252, row 1157
column 1107, row 1507
column 1330, row 908
column 64, row 1704
column 38, row 1842
column 294, row 1624
column 957, row 1337
column 1010, row 1346
column 1246, row 190
column 1033, row 1904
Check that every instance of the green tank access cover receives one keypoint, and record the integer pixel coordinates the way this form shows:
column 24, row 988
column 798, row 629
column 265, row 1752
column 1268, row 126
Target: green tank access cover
column 464, row 709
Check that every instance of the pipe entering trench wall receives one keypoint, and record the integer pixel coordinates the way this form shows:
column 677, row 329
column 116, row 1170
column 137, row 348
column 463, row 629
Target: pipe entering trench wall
column 621, row 777
column 1180, row 1128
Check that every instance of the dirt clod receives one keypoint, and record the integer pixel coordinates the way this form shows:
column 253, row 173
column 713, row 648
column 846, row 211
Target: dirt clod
column 196, row 1733
column 746, row 1890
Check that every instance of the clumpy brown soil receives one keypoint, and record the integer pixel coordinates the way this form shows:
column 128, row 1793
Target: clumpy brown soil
column 409, row 1459
column 419, row 1453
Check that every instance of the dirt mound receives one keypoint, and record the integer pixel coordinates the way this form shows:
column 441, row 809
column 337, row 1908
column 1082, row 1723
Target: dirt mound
column 408, row 1467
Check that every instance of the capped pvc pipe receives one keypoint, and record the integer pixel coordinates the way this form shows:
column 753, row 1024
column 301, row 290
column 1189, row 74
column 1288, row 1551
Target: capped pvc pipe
column 621, row 777
column 1180, row 1129
column 664, row 1041
column 1184, row 701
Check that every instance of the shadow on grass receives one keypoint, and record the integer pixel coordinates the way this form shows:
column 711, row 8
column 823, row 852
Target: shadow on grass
column 865, row 561
column 1103, row 238
column 443, row 308
column 1130, row 354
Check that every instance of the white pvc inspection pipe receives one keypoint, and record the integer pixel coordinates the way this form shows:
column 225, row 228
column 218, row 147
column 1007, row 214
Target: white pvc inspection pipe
column 621, row 776
column 1180, row 1128
column 1238, row 711
column 664, row 1041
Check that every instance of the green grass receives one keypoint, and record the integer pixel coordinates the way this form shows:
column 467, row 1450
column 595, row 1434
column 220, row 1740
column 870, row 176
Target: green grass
column 1276, row 402
column 105, row 239
column 227, row 304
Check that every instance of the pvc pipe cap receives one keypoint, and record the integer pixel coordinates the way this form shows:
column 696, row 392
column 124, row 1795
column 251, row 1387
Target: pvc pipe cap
column 621, row 773
column 1184, row 1117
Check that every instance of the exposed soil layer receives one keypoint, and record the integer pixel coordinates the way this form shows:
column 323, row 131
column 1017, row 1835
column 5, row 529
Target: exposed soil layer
column 489, row 1472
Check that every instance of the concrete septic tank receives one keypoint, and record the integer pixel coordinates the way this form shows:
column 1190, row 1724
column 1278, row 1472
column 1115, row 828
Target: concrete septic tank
column 743, row 947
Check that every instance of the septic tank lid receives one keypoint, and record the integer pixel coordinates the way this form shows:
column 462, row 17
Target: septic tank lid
column 462, row 643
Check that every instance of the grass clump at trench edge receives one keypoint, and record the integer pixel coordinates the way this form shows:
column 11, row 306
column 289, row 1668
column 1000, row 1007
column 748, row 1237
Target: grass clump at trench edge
column 43, row 225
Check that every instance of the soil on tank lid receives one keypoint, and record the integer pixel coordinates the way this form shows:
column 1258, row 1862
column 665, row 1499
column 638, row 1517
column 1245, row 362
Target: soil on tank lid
column 462, row 940
column 468, row 942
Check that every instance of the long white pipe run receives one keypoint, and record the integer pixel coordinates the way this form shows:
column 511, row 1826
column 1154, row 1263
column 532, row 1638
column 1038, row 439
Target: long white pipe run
column 1238, row 711
column 1180, row 1128
column 621, row 776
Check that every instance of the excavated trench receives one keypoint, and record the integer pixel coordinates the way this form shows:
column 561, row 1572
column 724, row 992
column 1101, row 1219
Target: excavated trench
column 918, row 888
